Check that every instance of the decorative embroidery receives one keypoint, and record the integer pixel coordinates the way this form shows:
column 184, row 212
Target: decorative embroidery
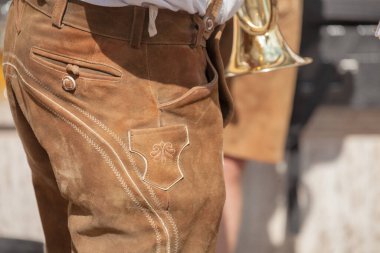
column 125, row 149
column 161, row 151
column 103, row 154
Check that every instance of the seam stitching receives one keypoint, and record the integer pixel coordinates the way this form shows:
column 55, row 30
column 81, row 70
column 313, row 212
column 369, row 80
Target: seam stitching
column 118, row 175
column 119, row 140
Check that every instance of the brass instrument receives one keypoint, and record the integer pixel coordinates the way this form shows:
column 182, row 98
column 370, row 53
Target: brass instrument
column 258, row 45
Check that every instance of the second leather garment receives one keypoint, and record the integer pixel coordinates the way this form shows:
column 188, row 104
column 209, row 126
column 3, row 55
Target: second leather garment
column 263, row 101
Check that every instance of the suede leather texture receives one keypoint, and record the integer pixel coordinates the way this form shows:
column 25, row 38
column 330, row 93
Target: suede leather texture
column 124, row 144
column 263, row 101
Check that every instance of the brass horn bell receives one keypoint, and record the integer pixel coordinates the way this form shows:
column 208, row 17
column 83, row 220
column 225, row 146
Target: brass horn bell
column 258, row 45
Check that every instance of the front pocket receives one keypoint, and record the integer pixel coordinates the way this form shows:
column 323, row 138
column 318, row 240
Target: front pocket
column 191, row 106
column 195, row 93
column 84, row 68
column 160, row 148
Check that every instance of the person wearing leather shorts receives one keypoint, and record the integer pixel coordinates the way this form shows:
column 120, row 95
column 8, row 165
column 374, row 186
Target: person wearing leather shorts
column 122, row 130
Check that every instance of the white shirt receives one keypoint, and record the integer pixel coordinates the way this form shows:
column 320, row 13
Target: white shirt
column 228, row 9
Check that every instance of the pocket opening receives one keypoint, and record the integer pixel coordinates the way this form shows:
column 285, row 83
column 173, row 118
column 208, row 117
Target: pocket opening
column 197, row 92
column 86, row 69
column 211, row 73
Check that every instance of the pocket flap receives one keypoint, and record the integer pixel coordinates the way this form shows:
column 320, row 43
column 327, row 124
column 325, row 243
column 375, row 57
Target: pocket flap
column 160, row 149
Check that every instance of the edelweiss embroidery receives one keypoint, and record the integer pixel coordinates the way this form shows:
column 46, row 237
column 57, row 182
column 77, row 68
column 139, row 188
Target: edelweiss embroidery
column 161, row 151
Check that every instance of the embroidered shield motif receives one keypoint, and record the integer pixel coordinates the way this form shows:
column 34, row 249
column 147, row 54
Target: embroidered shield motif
column 162, row 151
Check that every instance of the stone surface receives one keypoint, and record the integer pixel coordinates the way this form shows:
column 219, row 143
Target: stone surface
column 264, row 214
column 18, row 209
column 340, row 175
column 20, row 246
column 5, row 115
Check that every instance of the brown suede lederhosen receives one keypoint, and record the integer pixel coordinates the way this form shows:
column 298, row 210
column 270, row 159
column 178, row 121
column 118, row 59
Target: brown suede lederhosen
column 122, row 131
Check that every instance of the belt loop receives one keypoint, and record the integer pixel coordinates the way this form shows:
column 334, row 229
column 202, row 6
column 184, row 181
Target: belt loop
column 198, row 37
column 19, row 9
column 59, row 9
column 139, row 14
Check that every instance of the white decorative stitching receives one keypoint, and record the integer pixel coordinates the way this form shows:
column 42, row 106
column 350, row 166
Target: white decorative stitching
column 125, row 148
column 103, row 154
column 175, row 230
column 10, row 75
column 119, row 140
column 161, row 151
column 145, row 175
column 116, row 173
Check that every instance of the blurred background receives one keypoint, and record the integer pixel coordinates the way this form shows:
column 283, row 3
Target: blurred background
column 325, row 198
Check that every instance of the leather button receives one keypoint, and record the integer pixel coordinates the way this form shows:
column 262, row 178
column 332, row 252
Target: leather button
column 68, row 83
column 209, row 24
column 72, row 69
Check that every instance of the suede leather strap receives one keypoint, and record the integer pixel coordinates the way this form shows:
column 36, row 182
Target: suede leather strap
column 209, row 19
column 214, row 8
column 19, row 10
